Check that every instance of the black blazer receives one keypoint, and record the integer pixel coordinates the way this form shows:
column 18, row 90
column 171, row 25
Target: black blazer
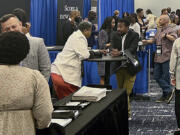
column 130, row 44
column 67, row 29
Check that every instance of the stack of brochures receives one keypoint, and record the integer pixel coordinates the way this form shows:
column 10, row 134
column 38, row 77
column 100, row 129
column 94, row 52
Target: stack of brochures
column 89, row 94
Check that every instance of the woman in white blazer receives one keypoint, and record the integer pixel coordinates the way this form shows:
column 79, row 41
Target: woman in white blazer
column 66, row 69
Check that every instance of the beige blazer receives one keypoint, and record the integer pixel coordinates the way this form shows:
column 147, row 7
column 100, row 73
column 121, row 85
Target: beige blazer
column 25, row 102
column 38, row 57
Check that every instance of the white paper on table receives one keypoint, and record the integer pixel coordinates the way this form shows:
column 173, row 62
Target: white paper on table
column 62, row 111
column 49, row 47
column 88, row 91
column 89, row 94
column 72, row 103
column 62, row 122
column 76, row 112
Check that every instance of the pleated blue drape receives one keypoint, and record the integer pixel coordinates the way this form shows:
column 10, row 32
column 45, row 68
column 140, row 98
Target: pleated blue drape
column 87, row 7
column 43, row 20
column 107, row 7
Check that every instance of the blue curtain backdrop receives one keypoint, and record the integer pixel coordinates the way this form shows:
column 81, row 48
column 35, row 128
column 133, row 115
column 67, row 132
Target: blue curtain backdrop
column 43, row 20
column 87, row 7
column 107, row 7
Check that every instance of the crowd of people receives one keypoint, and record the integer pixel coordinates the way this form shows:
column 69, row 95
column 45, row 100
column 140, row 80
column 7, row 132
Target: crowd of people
column 121, row 34
column 25, row 66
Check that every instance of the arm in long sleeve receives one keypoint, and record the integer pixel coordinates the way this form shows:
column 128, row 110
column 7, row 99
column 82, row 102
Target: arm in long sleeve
column 113, row 45
column 42, row 108
column 67, row 31
column 102, row 39
column 81, row 49
column 134, row 44
column 173, row 59
column 138, row 29
column 44, row 60
column 172, row 36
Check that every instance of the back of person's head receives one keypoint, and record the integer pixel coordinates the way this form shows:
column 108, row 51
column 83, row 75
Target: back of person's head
column 126, row 21
column 84, row 25
column 177, row 20
column 21, row 15
column 125, row 14
column 148, row 11
column 73, row 13
column 134, row 15
column 107, row 25
column 91, row 15
column 173, row 12
column 164, row 20
column 164, row 11
column 178, row 12
column 139, row 10
column 172, row 18
column 169, row 10
column 14, row 47
column 116, row 12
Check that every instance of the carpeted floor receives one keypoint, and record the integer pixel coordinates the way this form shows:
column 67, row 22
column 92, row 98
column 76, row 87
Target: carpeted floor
column 150, row 118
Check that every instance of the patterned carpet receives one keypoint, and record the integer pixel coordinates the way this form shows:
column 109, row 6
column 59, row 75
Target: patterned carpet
column 150, row 118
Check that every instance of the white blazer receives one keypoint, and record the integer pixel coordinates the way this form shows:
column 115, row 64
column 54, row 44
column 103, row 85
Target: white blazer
column 174, row 66
column 68, row 62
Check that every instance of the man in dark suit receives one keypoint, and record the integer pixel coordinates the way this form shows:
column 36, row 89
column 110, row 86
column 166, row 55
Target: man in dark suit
column 124, row 40
column 70, row 25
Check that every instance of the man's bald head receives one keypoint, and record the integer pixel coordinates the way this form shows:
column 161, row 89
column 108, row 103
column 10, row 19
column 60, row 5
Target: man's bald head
column 164, row 20
column 73, row 13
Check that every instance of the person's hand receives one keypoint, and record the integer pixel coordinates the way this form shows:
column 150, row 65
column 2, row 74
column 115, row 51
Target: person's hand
column 145, row 42
column 144, row 27
column 115, row 52
column 173, row 82
column 103, row 51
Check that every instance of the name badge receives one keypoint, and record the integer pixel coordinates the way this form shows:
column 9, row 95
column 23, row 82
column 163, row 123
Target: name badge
column 159, row 50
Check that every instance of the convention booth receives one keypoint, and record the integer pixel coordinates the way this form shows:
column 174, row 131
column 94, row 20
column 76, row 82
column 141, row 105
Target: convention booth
column 49, row 25
column 50, row 13
column 110, row 115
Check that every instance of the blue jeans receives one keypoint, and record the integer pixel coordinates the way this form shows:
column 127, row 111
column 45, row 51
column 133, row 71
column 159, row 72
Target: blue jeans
column 162, row 76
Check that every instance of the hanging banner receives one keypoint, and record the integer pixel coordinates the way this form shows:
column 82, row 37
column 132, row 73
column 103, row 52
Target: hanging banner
column 64, row 8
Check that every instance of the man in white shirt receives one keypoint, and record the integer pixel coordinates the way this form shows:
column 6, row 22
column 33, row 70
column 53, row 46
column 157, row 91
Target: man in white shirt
column 66, row 69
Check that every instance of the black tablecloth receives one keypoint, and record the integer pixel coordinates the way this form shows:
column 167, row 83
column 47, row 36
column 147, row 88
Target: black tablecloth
column 107, row 117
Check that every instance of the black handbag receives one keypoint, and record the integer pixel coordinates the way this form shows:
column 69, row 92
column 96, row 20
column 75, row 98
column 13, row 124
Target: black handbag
column 133, row 64
column 133, row 70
